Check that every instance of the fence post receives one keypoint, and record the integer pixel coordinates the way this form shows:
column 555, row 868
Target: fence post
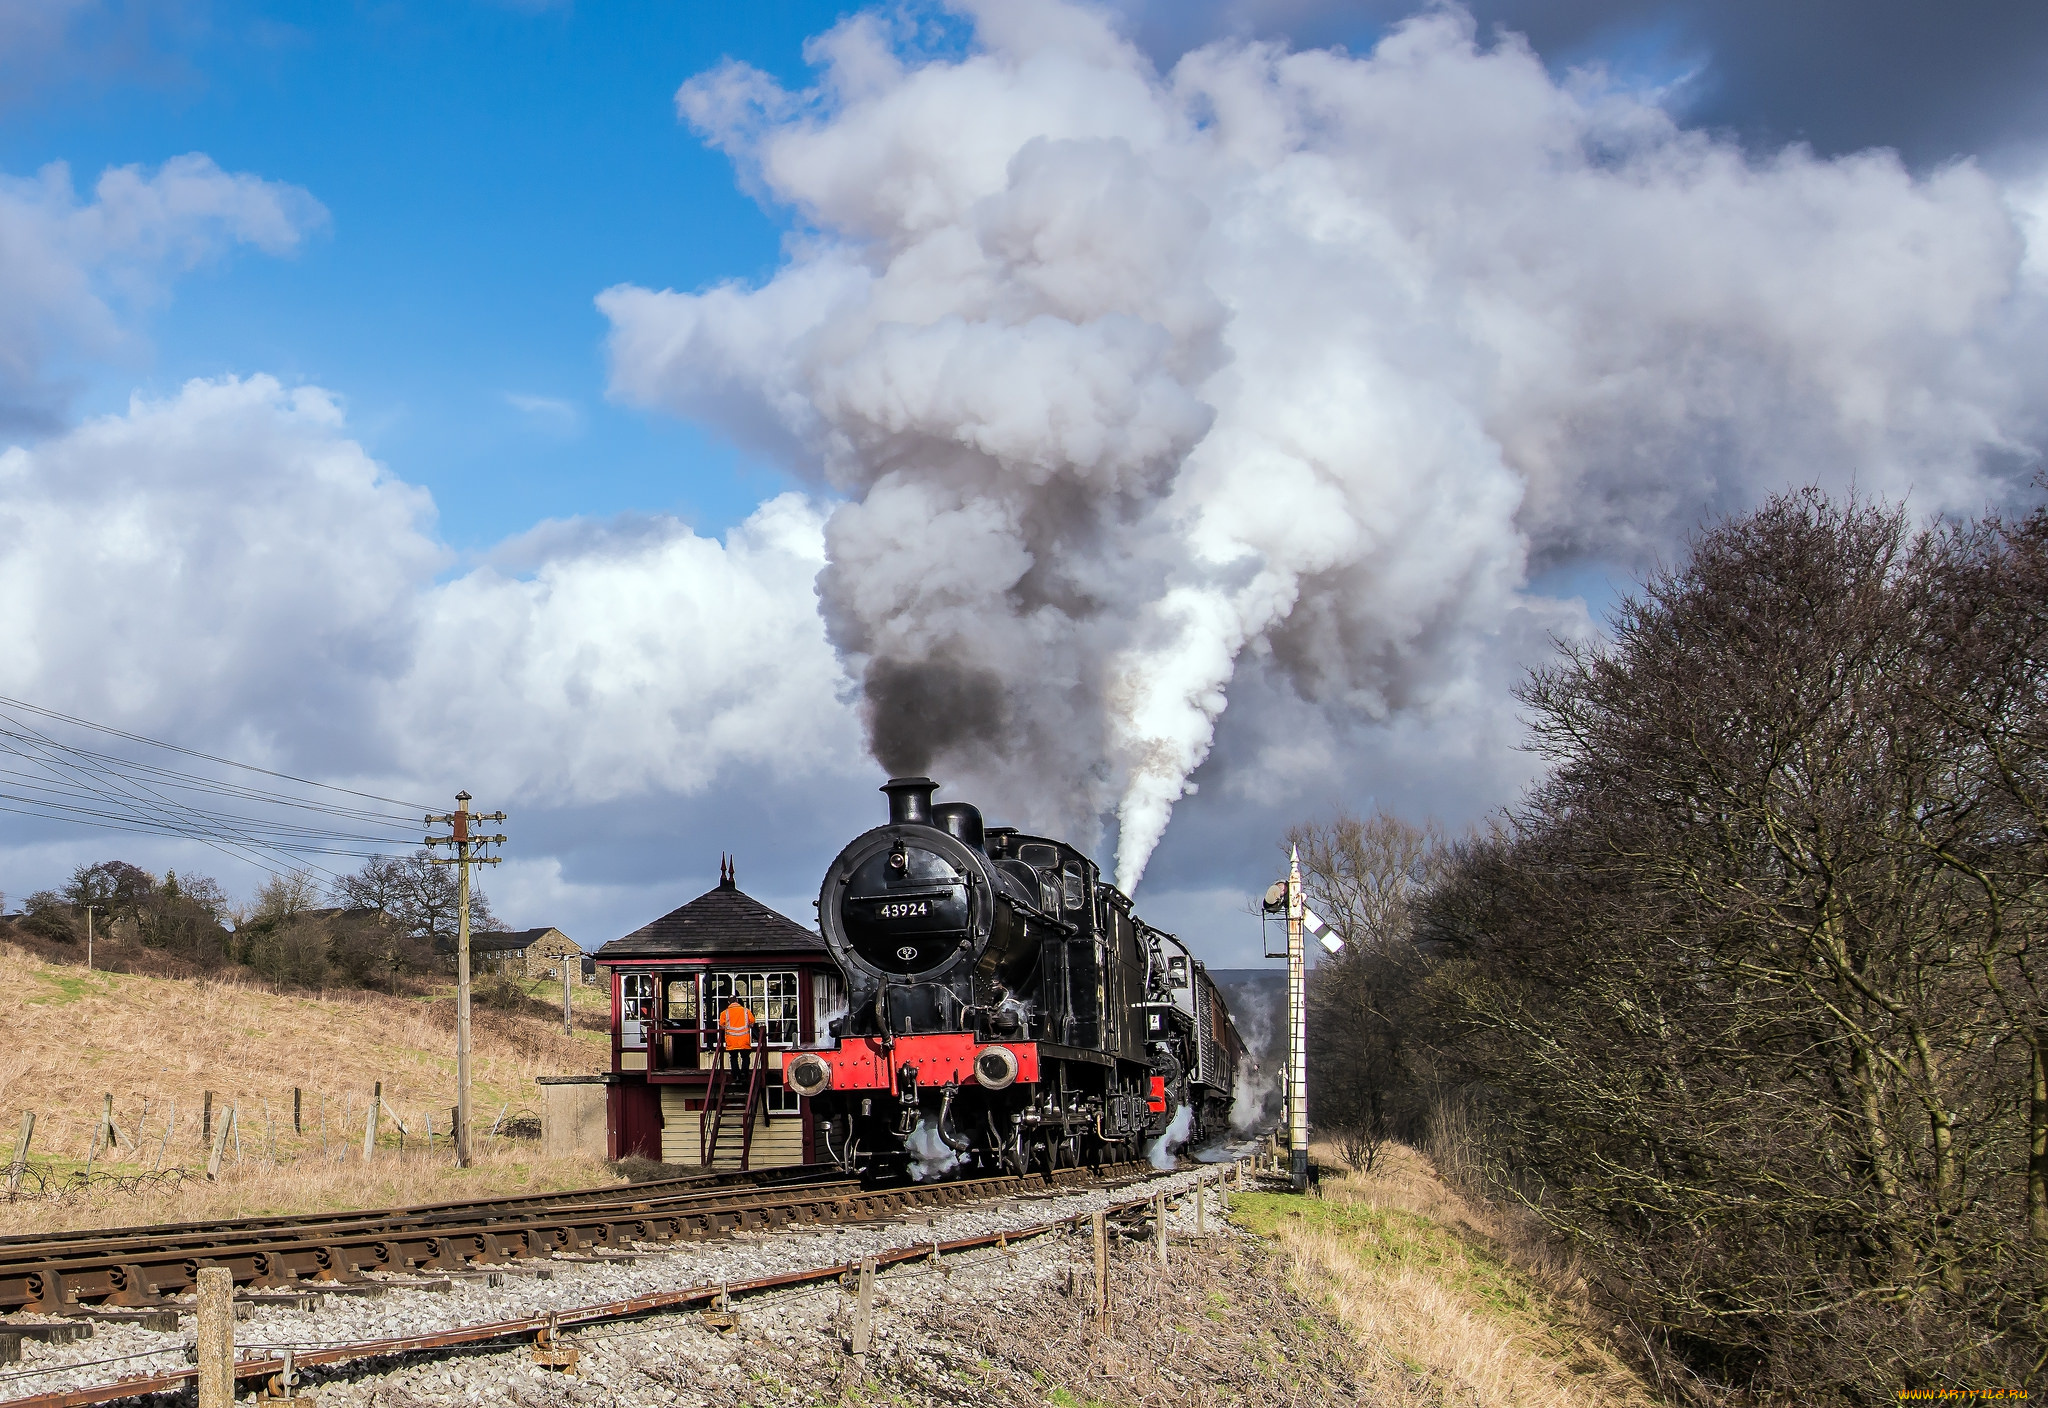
column 298, row 1101
column 1201, row 1209
column 1101, row 1228
column 20, row 1164
column 1159, row 1228
column 370, row 1124
column 864, row 1308
column 206, row 1116
column 216, row 1337
column 220, row 1148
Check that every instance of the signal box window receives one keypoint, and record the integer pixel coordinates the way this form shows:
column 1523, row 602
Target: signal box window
column 770, row 997
column 682, row 999
column 636, row 1008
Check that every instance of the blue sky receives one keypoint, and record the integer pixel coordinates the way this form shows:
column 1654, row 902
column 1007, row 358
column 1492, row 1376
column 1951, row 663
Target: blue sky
column 487, row 170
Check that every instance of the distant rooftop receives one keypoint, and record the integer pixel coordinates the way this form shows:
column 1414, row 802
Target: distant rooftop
column 501, row 941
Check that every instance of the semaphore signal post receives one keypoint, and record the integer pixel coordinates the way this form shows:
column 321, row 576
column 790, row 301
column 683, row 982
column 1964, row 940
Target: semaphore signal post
column 468, row 851
column 1287, row 897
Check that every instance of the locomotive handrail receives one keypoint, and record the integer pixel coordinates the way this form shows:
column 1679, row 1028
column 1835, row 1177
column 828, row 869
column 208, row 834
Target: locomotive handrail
column 924, row 892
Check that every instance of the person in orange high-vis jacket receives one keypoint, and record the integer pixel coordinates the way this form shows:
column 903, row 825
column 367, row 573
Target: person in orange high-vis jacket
column 736, row 1024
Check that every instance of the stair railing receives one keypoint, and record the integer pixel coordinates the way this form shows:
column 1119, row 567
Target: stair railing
column 757, row 1091
column 714, row 1107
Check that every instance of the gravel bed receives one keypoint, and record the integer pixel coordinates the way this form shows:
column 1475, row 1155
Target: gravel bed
column 346, row 1319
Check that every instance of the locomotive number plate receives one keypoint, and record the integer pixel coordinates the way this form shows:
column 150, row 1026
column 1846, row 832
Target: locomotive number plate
column 902, row 909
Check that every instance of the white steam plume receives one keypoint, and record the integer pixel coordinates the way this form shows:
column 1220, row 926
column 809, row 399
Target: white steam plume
column 1289, row 361
column 1162, row 1152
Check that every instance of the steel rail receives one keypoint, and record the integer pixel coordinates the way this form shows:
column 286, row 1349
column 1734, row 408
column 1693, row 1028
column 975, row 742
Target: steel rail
column 730, row 1178
column 292, row 1257
column 264, row 1369
column 203, row 1237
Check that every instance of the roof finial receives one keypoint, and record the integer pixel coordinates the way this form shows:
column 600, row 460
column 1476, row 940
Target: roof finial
column 725, row 871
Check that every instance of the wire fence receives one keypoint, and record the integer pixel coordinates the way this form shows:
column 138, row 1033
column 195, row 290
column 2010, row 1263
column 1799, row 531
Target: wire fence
column 116, row 1151
column 56, row 1183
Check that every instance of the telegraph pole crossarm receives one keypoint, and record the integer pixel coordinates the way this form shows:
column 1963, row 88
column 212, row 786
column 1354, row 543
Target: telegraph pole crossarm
column 468, row 852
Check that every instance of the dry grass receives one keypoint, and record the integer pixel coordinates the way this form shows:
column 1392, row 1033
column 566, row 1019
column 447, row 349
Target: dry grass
column 1460, row 1308
column 155, row 1044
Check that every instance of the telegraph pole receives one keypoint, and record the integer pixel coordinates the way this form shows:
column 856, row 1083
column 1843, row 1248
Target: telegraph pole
column 88, row 936
column 468, row 849
column 1297, row 1030
column 568, row 1022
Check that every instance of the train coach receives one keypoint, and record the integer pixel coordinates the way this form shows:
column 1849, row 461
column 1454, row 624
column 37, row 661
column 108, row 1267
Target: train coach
column 1006, row 1010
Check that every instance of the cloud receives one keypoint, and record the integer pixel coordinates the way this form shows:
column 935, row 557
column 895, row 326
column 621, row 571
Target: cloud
column 549, row 412
column 74, row 273
column 1932, row 82
column 226, row 567
column 1276, row 374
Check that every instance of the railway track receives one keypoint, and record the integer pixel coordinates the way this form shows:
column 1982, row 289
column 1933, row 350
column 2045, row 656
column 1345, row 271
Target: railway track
column 544, row 1331
column 140, row 1267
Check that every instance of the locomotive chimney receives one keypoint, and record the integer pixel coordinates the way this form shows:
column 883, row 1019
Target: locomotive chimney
column 910, row 800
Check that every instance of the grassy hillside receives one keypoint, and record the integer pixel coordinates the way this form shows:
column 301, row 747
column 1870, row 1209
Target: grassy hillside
column 1456, row 1307
column 156, row 1043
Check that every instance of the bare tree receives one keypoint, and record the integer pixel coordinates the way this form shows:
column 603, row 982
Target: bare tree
column 417, row 895
column 283, row 898
column 1365, row 874
column 1365, row 877
column 1740, row 998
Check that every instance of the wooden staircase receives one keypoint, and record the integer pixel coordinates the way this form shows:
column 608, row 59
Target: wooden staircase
column 732, row 1107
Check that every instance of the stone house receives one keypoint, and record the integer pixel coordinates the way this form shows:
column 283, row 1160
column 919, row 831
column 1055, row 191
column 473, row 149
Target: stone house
column 527, row 953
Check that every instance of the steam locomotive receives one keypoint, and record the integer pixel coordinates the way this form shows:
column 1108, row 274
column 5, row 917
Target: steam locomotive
column 1007, row 1012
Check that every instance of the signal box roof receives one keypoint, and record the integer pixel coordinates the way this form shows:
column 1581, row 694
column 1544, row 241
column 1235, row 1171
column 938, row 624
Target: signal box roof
column 721, row 923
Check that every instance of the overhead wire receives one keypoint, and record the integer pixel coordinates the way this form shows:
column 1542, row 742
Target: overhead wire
column 193, row 753
column 63, row 781
column 41, row 744
column 70, row 766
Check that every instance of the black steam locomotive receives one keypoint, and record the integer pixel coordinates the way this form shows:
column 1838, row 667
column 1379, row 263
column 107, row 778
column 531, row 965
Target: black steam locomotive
column 1007, row 1011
